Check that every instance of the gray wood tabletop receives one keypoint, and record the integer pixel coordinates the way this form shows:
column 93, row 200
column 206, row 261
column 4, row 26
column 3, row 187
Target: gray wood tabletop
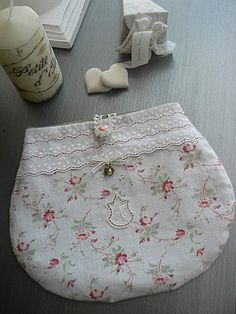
column 200, row 75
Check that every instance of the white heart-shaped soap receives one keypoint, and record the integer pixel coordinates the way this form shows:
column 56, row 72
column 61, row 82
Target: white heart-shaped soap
column 93, row 81
column 115, row 77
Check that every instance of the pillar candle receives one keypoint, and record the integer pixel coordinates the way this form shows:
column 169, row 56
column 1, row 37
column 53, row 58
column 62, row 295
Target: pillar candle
column 26, row 54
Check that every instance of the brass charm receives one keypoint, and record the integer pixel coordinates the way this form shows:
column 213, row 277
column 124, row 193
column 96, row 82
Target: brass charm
column 108, row 170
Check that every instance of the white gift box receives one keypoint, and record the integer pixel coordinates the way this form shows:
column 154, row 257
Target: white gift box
column 147, row 7
column 144, row 32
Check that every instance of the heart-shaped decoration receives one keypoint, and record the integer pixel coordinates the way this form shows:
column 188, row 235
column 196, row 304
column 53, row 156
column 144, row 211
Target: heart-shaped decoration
column 93, row 81
column 115, row 77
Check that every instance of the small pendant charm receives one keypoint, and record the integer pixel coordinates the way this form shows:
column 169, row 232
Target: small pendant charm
column 108, row 170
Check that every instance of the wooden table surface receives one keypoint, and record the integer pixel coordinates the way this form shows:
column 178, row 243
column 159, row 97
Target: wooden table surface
column 200, row 75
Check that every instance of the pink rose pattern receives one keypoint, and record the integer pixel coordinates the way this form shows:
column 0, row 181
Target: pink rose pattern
column 22, row 246
column 75, row 187
column 109, row 248
column 41, row 209
column 25, row 249
column 96, row 293
column 148, row 228
column 49, row 216
column 166, row 187
column 110, row 252
column 191, row 156
column 105, row 193
column 53, row 262
column 162, row 274
column 208, row 202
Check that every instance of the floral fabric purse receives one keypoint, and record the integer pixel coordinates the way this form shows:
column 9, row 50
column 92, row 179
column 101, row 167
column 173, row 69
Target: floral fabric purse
column 121, row 206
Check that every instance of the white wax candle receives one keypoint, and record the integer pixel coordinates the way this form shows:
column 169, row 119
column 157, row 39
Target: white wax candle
column 26, row 54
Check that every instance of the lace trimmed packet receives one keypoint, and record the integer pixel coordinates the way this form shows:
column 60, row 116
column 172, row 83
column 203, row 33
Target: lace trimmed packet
column 120, row 206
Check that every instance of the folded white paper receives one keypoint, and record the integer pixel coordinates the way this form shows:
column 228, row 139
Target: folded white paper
column 54, row 17
column 63, row 35
column 60, row 18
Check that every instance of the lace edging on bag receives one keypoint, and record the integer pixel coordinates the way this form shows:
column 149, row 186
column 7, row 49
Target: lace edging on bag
column 49, row 167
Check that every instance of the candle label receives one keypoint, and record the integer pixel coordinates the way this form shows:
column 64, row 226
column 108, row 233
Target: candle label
column 33, row 68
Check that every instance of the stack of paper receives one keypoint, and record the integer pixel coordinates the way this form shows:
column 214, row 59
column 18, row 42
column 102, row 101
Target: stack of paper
column 62, row 23
column 61, row 18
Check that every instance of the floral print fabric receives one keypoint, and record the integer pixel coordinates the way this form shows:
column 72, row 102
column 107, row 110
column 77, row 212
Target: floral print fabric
column 175, row 206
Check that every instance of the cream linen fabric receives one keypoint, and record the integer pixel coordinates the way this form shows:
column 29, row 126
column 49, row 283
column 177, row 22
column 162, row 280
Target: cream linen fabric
column 159, row 221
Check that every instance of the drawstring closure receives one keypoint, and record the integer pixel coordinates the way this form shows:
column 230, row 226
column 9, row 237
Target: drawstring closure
column 104, row 163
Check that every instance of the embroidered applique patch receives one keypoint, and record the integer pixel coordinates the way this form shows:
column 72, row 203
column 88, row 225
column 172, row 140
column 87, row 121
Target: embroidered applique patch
column 120, row 216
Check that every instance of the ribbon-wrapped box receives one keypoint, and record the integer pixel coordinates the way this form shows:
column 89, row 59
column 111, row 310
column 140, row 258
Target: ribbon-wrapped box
column 145, row 32
column 132, row 7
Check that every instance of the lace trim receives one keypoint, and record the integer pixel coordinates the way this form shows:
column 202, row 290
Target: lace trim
column 57, row 138
column 66, row 129
column 121, row 135
column 22, row 173
column 151, row 119
column 132, row 134
column 176, row 127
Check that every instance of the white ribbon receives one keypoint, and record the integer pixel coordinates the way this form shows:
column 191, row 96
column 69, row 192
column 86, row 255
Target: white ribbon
column 144, row 38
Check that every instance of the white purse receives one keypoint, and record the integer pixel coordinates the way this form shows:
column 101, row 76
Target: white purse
column 119, row 207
